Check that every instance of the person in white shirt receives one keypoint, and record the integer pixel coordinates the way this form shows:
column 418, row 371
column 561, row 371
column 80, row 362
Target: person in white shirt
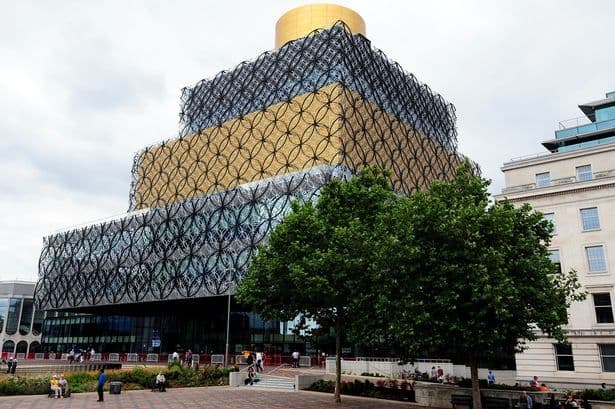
column 160, row 381
column 295, row 359
column 259, row 361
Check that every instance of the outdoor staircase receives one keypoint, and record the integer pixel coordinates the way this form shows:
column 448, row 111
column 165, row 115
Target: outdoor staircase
column 275, row 382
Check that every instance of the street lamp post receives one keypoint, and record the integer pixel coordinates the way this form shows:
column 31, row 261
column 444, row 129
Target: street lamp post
column 228, row 327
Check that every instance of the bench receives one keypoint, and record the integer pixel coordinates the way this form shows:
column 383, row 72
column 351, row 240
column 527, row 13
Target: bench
column 496, row 403
column 461, row 400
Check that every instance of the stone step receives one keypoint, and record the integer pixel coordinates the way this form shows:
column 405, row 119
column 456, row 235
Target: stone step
column 274, row 382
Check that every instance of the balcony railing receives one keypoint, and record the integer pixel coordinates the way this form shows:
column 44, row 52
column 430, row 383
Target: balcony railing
column 583, row 129
column 557, row 182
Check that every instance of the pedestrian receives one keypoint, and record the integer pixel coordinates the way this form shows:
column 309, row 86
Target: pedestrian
column 259, row 361
column 440, row 374
column 295, row 356
column 434, row 373
column 534, row 382
column 490, row 378
column 603, row 387
column 189, row 358
column 14, row 366
column 175, row 356
column 554, row 403
column 570, row 402
column 9, row 364
column 102, row 378
column 525, row 401
column 250, row 360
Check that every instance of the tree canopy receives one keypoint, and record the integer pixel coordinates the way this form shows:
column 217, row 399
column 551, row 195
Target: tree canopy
column 318, row 258
column 443, row 271
column 463, row 274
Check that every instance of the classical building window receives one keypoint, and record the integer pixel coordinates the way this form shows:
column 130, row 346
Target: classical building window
column 604, row 309
column 554, row 256
column 543, row 179
column 551, row 217
column 584, row 173
column 590, row 218
column 607, row 356
column 563, row 357
column 595, row 259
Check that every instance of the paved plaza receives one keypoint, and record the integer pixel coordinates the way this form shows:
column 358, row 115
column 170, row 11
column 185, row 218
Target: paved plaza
column 216, row 397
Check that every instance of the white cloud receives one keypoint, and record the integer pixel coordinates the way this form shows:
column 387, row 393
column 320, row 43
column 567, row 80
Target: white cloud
column 84, row 85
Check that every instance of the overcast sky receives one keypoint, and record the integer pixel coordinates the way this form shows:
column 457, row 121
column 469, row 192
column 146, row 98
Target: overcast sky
column 85, row 85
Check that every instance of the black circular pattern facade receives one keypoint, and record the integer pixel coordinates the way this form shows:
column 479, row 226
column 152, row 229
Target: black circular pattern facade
column 253, row 139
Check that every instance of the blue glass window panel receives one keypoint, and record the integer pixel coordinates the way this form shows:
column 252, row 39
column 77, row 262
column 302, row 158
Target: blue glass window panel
column 587, row 144
column 13, row 317
column 604, row 114
column 543, row 179
column 590, row 218
column 4, row 304
column 595, row 259
column 584, row 173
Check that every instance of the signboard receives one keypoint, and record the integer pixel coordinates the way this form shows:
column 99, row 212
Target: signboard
column 155, row 343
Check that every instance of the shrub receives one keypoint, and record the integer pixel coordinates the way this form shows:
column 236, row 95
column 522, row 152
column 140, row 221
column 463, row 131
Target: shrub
column 599, row 394
column 138, row 378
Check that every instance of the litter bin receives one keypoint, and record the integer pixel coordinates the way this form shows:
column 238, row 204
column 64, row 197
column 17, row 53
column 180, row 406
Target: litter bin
column 115, row 388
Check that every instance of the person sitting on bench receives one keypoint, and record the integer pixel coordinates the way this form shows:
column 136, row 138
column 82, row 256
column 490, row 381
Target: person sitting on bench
column 160, row 382
column 64, row 386
column 55, row 387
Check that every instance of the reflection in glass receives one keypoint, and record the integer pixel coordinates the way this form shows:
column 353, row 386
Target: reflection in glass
column 26, row 316
column 37, row 324
column 4, row 303
column 13, row 317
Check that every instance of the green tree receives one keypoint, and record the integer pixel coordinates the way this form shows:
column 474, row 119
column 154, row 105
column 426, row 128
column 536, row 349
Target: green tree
column 462, row 274
column 318, row 258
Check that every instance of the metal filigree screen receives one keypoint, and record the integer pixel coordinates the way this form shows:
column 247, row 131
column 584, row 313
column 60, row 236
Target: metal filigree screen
column 252, row 140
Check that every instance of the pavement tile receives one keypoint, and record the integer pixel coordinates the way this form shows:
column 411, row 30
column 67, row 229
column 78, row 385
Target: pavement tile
column 211, row 397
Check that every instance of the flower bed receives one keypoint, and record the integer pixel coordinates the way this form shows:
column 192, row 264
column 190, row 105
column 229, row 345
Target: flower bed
column 138, row 378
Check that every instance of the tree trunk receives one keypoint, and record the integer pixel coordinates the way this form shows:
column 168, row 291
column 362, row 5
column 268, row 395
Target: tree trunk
column 338, row 359
column 475, row 386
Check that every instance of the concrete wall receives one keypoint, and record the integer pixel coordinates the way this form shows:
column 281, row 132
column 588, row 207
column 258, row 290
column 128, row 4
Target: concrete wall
column 392, row 369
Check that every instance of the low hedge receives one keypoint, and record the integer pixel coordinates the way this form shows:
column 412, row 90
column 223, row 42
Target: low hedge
column 599, row 394
column 138, row 378
column 391, row 390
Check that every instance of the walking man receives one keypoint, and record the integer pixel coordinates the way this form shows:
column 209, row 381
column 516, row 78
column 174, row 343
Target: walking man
column 102, row 378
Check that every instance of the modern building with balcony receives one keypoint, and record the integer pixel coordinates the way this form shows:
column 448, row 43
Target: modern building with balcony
column 20, row 322
column 574, row 186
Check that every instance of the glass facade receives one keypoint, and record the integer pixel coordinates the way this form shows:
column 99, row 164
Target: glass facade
column 37, row 322
column 26, row 316
column 12, row 320
column 605, row 114
column 4, row 304
column 199, row 325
